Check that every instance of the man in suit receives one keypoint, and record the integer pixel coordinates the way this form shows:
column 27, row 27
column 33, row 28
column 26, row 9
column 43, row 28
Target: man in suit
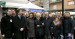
column 19, row 25
column 47, row 25
column 6, row 25
column 68, row 25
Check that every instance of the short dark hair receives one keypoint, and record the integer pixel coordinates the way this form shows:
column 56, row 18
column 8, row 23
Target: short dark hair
column 18, row 10
column 9, row 9
column 67, row 12
column 23, row 10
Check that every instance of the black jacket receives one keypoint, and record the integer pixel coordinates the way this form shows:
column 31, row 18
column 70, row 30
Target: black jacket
column 57, row 30
column 6, row 26
column 18, row 24
column 39, row 30
column 47, row 25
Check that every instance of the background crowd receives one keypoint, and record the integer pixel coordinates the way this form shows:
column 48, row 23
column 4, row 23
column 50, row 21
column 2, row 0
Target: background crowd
column 36, row 25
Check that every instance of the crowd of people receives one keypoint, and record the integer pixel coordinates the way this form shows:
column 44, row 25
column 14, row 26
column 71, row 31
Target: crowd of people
column 36, row 25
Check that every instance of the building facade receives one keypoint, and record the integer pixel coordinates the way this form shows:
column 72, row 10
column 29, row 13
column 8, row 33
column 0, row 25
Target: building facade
column 56, row 5
column 37, row 2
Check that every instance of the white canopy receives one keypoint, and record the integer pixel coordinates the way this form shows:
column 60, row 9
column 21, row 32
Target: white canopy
column 16, row 1
column 31, row 5
column 21, row 4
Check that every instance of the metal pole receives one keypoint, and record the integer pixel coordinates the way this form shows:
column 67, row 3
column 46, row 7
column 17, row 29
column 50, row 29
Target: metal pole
column 62, row 15
column 62, row 7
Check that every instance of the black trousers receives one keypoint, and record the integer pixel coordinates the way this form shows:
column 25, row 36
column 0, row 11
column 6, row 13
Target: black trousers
column 74, row 33
column 39, row 37
column 31, row 38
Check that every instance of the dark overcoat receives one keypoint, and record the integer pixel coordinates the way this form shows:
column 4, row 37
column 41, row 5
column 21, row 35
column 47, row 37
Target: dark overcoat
column 30, row 27
column 18, row 24
column 39, row 30
column 6, row 26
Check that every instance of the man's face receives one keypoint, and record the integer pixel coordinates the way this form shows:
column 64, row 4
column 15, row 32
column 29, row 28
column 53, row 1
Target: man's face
column 66, row 14
column 46, row 14
column 20, row 12
column 58, row 14
column 23, row 12
column 9, row 12
column 13, row 12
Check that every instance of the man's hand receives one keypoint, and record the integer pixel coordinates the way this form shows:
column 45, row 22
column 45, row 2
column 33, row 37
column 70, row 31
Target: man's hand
column 12, row 34
column 61, row 35
column 3, row 35
column 38, row 25
column 42, row 23
column 69, row 34
column 21, row 29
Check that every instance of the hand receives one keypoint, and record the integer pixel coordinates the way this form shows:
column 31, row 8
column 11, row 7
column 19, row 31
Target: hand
column 38, row 25
column 12, row 34
column 51, row 27
column 21, row 29
column 3, row 35
column 52, row 33
column 69, row 34
column 61, row 35
column 42, row 23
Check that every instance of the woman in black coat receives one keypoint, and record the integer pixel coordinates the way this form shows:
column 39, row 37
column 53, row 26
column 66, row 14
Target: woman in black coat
column 39, row 27
column 30, row 26
column 57, row 28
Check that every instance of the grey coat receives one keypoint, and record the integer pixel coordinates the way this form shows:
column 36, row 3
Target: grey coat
column 30, row 27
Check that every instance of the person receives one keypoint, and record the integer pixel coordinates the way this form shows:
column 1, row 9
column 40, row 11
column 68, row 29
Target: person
column 35, row 15
column 6, row 25
column 47, row 25
column 30, row 26
column 57, row 28
column 13, row 13
column 38, row 27
column 19, row 25
column 58, row 14
column 24, row 12
column 67, row 25
column 27, row 15
column 42, row 17
column 74, row 28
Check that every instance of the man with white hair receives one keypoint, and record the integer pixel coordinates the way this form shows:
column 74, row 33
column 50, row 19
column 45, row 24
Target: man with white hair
column 47, row 25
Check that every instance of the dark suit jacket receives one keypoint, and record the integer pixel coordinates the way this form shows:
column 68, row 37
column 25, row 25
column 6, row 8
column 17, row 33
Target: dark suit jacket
column 6, row 26
column 19, row 23
column 39, row 30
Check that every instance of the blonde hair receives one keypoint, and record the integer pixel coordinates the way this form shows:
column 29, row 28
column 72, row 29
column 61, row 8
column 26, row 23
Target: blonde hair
column 38, row 14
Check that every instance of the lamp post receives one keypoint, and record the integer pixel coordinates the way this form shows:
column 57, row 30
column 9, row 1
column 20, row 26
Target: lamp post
column 62, row 15
column 62, row 7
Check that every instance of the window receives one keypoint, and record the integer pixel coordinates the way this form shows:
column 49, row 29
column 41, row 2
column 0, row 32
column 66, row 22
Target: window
column 54, row 6
column 70, row 2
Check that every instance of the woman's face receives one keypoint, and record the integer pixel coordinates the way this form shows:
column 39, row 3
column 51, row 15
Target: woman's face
column 43, row 15
column 27, row 15
column 31, row 15
column 56, row 19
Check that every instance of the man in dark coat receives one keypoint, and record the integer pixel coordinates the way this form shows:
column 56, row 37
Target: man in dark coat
column 74, row 28
column 47, row 24
column 19, row 25
column 13, row 15
column 68, row 23
column 6, row 25
column 23, row 14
